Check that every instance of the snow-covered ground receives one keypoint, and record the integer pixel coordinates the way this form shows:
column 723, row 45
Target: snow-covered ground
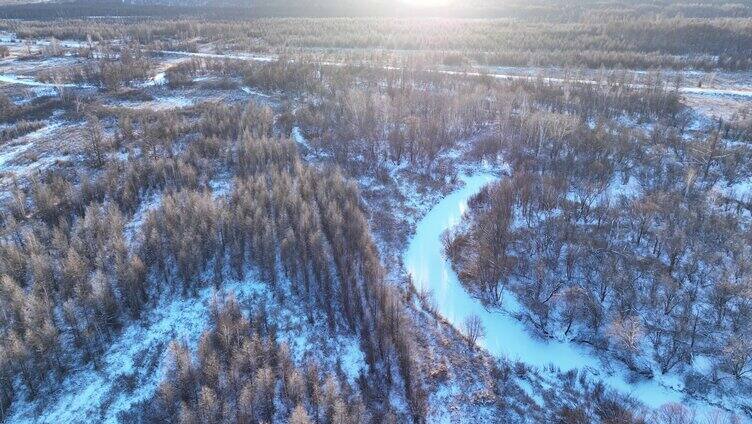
column 235, row 56
column 130, row 370
column 134, row 364
column 159, row 103
column 29, row 81
column 90, row 395
column 297, row 136
column 159, row 79
column 505, row 335
column 737, row 91
column 95, row 395
column 13, row 149
column 252, row 92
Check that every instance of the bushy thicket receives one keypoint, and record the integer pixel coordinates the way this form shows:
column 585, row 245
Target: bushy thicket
column 38, row 109
column 19, row 129
column 108, row 68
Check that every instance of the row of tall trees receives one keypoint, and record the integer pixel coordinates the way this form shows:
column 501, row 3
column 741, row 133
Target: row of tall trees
column 612, row 37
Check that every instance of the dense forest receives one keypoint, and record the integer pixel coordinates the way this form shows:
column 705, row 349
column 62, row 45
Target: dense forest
column 71, row 277
column 236, row 374
column 643, row 36
column 233, row 9
column 619, row 238
column 76, row 271
column 278, row 166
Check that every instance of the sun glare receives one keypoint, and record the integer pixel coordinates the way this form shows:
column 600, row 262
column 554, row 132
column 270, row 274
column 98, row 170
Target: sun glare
column 427, row 3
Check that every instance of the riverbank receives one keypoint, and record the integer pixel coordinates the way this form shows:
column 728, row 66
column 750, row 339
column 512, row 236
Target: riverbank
column 506, row 336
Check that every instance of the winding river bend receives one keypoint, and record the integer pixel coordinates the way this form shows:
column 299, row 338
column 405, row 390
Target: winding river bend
column 505, row 335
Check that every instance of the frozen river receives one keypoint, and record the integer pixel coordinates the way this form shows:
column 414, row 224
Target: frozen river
column 505, row 335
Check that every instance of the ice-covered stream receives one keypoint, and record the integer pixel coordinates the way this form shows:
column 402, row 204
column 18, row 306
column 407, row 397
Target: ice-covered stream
column 505, row 335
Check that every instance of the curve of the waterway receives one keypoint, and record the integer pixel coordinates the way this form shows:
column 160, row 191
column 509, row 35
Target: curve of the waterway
column 505, row 336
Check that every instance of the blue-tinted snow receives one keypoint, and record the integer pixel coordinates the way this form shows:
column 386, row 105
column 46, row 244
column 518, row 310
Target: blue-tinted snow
column 505, row 335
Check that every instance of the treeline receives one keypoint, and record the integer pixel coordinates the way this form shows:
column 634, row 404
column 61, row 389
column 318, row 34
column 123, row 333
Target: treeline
column 593, row 40
column 369, row 119
column 549, row 11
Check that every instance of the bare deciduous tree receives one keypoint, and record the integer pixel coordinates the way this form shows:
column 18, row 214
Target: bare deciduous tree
column 473, row 329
